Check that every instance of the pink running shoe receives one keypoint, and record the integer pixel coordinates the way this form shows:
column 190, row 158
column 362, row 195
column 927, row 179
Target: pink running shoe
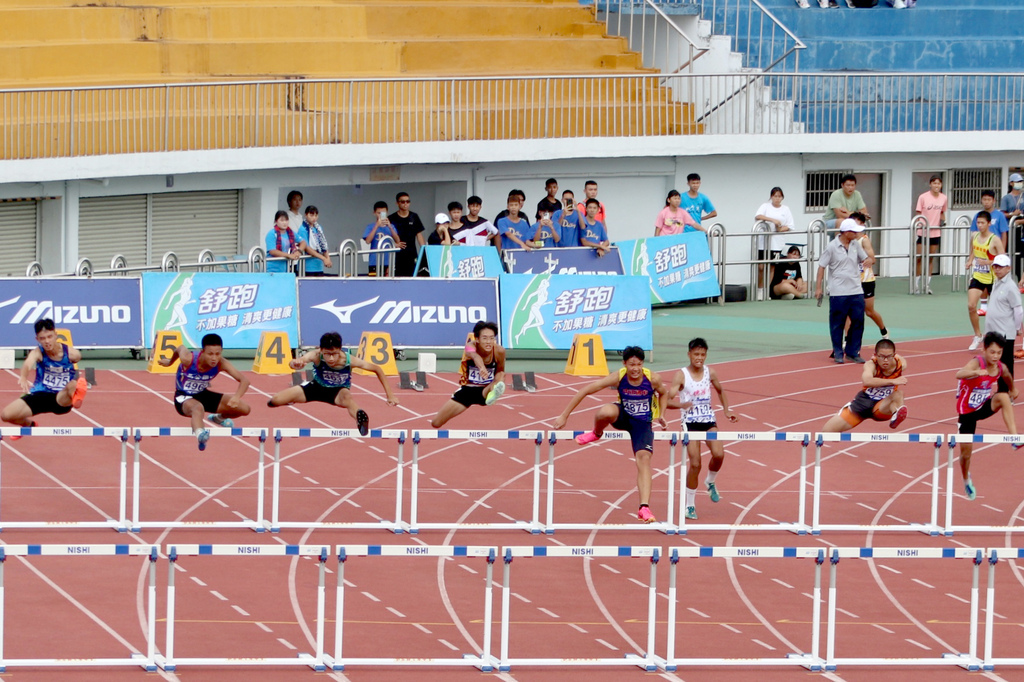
column 645, row 515
column 588, row 437
column 898, row 417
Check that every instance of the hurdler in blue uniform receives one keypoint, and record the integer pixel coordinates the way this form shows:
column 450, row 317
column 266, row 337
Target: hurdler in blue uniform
column 641, row 393
column 53, row 391
column 332, row 380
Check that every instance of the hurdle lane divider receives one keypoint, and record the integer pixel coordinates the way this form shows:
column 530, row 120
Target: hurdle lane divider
column 951, row 476
column 932, row 527
column 276, row 524
column 994, row 555
column 483, row 660
column 146, row 661
column 169, row 660
column 646, row 660
column 121, row 523
column 532, row 526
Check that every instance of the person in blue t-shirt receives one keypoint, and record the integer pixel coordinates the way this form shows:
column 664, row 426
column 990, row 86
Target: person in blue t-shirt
column 568, row 220
column 282, row 242
column 513, row 226
column 381, row 229
column 696, row 204
column 314, row 242
column 593, row 233
column 999, row 227
column 546, row 234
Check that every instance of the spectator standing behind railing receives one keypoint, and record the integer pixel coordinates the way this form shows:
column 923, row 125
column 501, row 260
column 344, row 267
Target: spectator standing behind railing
column 380, row 226
column 568, row 220
column 696, row 204
column 440, row 235
column 295, row 216
column 522, row 202
column 513, row 226
column 546, row 235
column 282, row 242
column 410, row 232
column 673, row 219
column 999, row 226
column 780, row 218
column 590, row 192
column 594, row 234
column 843, row 202
column 932, row 205
column 550, row 203
column 1012, row 203
column 311, row 237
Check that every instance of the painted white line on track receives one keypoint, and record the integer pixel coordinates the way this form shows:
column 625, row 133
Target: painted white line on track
column 548, row 612
column 730, row 628
column 263, row 627
column 448, row 644
column 918, row 644
column 421, row 628
column 395, row 611
column 699, row 613
column 287, row 644
column 198, row 581
column 780, row 582
column 609, row 568
column 520, row 597
column 923, row 583
column 601, row 641
column 239, row 609
column 767, row 646
column 577, row 628
column 218, row 595
column 958, row 598
column 370, row 596
column 883, row 628
column 889, row 568
column 750, row 568
column 847, row 613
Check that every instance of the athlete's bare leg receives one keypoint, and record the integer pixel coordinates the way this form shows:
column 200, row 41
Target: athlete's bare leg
column 693, row 457
column 288, row 396
column 345, row 400
column 448, row 410
column 18, row 413
column 193, row 409
column 644, row 474
column 973, row 296
column 225, row 410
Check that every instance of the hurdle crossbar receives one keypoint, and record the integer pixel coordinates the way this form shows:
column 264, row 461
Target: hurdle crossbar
column 414, row 524
column 968, row 660
column 169, row 661
column 276, row 524
column 147, row 661
column 931, row 527
column 953, row 441
column 645, row 660
column 994, row 556
column 483, row 660
column 120, row 433
column 810, row 660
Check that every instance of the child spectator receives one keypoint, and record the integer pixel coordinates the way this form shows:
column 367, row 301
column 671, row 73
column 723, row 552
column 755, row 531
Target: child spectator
column 314, row 242
column 568, row 220
column 377, row 232
column 674, row 220
column 696, row 204
column 594, row 233
column 932, row 205
column 281, row 242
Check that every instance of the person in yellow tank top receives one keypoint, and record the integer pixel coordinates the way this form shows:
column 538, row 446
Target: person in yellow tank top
column 984, row 247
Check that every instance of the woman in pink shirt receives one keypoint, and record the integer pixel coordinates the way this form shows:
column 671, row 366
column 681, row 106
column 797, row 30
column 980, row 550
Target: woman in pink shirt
column 932, row 205
column 674, row 220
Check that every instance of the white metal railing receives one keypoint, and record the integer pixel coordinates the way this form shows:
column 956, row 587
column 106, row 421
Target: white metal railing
column 758, row 35
column 661, row 42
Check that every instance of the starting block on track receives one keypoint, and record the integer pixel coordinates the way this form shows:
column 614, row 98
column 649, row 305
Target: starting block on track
column 163, row 347
column 526, row 382
column 412, row 381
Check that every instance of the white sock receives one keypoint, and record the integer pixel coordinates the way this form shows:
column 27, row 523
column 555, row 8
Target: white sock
column 712, row 475
column 691, row 497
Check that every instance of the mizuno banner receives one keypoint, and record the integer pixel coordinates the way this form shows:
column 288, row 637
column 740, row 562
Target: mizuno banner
column 545, row 311
column 238, row 307
column 99, row 312
column 678, row 266
column 461, row 261
column 573, row 260
column 417, row 312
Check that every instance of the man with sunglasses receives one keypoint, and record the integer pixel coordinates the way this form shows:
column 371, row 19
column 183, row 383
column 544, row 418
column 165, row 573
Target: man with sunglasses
column 410, row 233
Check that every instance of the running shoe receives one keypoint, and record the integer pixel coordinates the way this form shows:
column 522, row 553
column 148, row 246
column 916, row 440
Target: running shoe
column 645, row 515
column 221, row 421
column 495, row 393
column 202, row 437
column 588, row 437
column 1017, row 446
column 898, row 417
column 975, row 343
column 691, row 513
column 363, row 422
column 81, row 386
column 713, row 492
column 32, row 425
column 972, row 492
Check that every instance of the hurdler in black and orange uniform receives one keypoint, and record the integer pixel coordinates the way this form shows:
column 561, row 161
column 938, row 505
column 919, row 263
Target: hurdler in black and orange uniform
column 881, row 399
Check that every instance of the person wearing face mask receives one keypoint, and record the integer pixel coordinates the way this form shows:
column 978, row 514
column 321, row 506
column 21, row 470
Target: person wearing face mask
column 1012, row 206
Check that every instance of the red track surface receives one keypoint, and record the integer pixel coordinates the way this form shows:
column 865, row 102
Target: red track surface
column 417, row 607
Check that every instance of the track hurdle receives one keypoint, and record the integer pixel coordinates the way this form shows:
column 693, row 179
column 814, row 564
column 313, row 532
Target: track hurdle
column 414, row 525
column 951, row 477
column 994, row 555
column 147, row 661
column 276, row 524
column 811, row 660
column 799, row 526
column 137, row 524
column 170, row 661
column 969, row 660
column 484, row 660
column 645, row 660
column 935, row 440
column 121, row 433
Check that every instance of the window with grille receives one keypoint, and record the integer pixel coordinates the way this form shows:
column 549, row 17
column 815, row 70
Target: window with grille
column 818, row 187
column 968, row 183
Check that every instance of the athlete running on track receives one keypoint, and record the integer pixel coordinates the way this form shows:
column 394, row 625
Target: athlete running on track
column 476, row 386
column 881, row 398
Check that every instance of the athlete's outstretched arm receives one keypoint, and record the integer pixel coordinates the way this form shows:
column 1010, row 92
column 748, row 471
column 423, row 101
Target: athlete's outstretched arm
column 730, row 415
column 676, row 385
column 589, row 389
column 869, row 379
column 243, row 383
column 662, row 388
column 370, row 367
column 33, row 358
column 304, row 359
column 1008, row 380
column 180, row 353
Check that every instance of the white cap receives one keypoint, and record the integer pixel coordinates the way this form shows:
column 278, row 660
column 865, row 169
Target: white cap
column 442, row 218
column 1016, row 177
column 1002, row 261
column 850, row 225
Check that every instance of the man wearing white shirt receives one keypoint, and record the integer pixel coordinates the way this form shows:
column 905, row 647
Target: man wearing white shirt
column 843, row 257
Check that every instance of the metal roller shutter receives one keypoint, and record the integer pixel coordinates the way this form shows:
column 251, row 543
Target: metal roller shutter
column 19, row 233
column 189, row 222
column 108, row 226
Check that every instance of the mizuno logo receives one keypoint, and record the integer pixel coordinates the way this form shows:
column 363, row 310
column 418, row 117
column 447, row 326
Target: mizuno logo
column 32, row 311
column 404, row 312
column 344, row 313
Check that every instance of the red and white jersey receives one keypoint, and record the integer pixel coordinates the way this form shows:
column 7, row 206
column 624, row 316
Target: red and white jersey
column 971, row 394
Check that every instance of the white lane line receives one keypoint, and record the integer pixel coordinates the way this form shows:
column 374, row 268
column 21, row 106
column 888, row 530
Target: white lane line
column 239, row 609
column 313, row 481
column 263, row 627
column 218, row 595
column 520, row 597
column 729, row 628
column 495, row 450
column 565, row 483
column 754, row 461
column 466, row 568
column 395, row 611
column 198, row 581
column 880, row 466
column 527, row 416
column 847, row 613
column 480, row 503
column 601, row 641
column 546, row 611
column 516, row 460
column 915, row 643
column 889, row 568
column 750, row 568
column 440, row 483
column 769, row 647
column 291, row 468
column 287, row 644
column 506, row 516
column 588, row 494
column 958, row 598
column 221, row 503
column 989, row 506
column 609, row 568
column 448, row 644
column 768, row 518
column 370, row 596
column 784, row 584
column 637, row 582
column 459, row 492
column 421, row 628
column 883, row 629
column 923, row 583
column 333, row 492
column 900, row 473
column 375, row 449
column 867, row 506
column 577, row 628
column 699, row 613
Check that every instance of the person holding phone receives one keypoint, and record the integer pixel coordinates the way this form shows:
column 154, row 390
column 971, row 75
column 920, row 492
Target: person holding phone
column 379, row 229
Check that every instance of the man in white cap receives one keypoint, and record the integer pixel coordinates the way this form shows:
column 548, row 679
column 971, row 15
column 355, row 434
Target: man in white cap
column 843, row 258
column 1005, row 313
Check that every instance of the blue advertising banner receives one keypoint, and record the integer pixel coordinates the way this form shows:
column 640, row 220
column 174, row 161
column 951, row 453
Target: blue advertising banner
column 239, row 306
column 679, row 266
column 573, row 260
column 416, row 312
column 461, row 261
column 545, row 311
column 100, row 312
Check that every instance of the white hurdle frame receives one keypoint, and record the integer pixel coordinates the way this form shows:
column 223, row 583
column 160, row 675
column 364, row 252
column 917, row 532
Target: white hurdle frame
column 994, row 555
column 799, row 526
column 935, row 439
column 146, row 661
column 811, row 660
column 169, row 661
column 953, row 440
column 667, row 527
column 275, row 524
column 484, row 660
column 414, row 524
column 138, row 433
column 647, row 661
column 969, row 660
column 121, row 433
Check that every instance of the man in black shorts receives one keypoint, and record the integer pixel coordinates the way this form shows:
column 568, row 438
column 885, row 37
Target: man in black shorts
column 476, row 387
